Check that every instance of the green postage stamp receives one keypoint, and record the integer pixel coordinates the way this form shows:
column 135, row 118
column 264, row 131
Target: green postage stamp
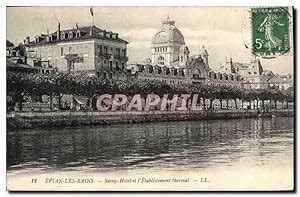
column 270, row 31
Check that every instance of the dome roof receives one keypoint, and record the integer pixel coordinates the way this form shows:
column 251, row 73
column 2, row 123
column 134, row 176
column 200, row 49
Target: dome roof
column 168, row 33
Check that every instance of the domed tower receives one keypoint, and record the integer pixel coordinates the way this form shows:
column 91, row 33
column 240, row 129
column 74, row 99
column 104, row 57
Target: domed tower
column 204, row 55
column 166, row 44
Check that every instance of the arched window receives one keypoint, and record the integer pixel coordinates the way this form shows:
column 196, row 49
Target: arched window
column 159, row 70
column 175, row 72
column 63, row 35
column 161, row 60
column 151, row 69
column 196, row 73
column 215, row 76
column 167, row 71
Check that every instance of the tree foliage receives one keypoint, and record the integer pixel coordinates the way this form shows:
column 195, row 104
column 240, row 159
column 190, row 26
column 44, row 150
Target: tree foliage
column 59, row 83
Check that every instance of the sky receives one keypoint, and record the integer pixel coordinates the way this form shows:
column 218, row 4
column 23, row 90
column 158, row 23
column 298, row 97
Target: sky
column 224, row 31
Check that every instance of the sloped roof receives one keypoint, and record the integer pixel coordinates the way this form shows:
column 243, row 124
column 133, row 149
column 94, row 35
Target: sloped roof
column 240, row 65
column 280, row 79
column 84, row 34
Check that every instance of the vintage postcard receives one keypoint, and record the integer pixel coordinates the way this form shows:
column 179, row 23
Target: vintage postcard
column 150, row 99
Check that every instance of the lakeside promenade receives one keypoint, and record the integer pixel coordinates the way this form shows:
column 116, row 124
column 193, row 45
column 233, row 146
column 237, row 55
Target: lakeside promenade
column 60, row 119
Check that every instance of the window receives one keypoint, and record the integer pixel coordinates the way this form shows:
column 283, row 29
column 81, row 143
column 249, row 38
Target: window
column 61, row 51
column 161, row 60
column 151, row 69
column 175, row 72
column 249, row 73
column 99, row 49
column 181, row 58
column 167, row 71
column 123, row 66
column 159, row 70
column 117, row 66
column 118, row 51
column 110, row 65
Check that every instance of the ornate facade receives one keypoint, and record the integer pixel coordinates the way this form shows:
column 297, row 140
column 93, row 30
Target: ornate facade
column 255, row 77
column 88, row 49
column 171, row 62
column 168, row 46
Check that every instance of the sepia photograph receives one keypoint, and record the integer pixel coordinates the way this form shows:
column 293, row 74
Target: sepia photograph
column 137, row 98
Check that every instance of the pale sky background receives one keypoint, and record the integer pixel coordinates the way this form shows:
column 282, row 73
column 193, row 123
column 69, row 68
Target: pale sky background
column 223, row 30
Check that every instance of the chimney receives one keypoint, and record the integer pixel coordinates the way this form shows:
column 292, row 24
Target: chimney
column 58, row 31
column 91, row 31
column 76, row 25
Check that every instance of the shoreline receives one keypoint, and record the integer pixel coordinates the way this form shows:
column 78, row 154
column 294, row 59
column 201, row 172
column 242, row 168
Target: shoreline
column 61, row 119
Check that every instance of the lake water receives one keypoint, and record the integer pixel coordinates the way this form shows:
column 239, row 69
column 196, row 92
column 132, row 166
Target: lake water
column 161, row 146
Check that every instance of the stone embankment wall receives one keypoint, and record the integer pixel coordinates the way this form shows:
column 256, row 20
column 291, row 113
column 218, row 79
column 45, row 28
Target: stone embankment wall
column 77, row 118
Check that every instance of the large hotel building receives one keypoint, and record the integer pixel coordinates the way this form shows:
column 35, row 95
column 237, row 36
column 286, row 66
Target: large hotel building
column 88, row 49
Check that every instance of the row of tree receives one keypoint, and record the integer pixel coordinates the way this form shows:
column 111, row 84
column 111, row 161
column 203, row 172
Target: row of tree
column 55, row 85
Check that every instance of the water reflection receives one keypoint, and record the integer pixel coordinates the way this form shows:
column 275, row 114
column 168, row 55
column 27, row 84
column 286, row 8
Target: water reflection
column 158, row 146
